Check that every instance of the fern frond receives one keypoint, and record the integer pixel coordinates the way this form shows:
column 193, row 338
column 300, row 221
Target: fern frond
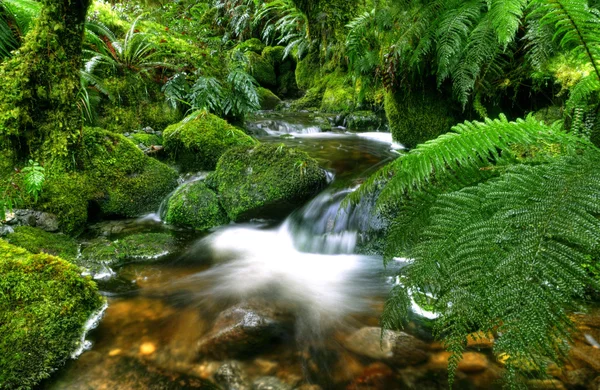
column 506, row 17
column 505, row 257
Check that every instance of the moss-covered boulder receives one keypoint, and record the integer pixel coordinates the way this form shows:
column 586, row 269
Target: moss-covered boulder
column 307, row 71
column 44, row 305
column 338, row 98
column 363, row 121
column 417, row 117
column 266, row 180
column 136, row 247
column 38, row 241
column 146, row 139
column 197, row 144
column 126, row 182
column 253, row 45
column 268, row 100
column 262, row 70
column 196, row 206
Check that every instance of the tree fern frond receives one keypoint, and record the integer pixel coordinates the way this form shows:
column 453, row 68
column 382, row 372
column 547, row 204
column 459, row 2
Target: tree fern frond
column 505, row 256
column 506, row 17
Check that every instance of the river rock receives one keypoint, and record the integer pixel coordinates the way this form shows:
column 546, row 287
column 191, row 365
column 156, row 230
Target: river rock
column 376, row 376
column 396, row 347
column 45, row 221
column 363, row 121
column 243, row 330
column 269, row 383
column 471, row 361
column 196, row 206
column 266, row 180
column 231, row 377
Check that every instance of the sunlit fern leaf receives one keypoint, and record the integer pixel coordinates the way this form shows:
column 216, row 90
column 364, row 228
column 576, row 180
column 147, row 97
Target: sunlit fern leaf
column 506, row 17
column 505, row 257
column 469, row 145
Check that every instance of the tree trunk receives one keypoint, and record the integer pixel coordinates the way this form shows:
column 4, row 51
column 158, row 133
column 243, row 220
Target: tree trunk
column 39, row 114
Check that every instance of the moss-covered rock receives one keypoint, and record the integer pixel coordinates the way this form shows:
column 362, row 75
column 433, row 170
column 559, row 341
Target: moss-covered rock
column 266, row 179
column 338, row 98
column 38, row 241
column 126, row 182
column 130, row 118
column 363, row 120
column 307, row 70
column 196, row 206
column 262, row 70
column 136, row 247
column 44, row 305
column 311, row 100
column 198, row 143
column 253, row 45
column 274, row 54
column 146, row 139
column 268, row 100
column 286, row 79
column 417, row 117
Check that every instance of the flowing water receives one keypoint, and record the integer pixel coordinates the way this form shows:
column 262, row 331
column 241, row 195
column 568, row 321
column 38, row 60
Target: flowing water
column 283, row 298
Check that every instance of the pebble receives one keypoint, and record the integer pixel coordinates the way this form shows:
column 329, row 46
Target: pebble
column 147, row 349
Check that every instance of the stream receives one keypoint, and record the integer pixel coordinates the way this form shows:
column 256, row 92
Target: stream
column 271, row 304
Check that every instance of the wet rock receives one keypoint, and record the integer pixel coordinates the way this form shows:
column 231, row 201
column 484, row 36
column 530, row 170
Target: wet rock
column 309, row 387
column 243, row 330
column 363, row 121
column 376, row 376
column 545, row 384
column 578, row 378
column 196, row 206
column 231, row 377
column 471, row 361
column 269, row 383
column 45, row 221
column 397, row 347
column 5, row 230
column 480, row 340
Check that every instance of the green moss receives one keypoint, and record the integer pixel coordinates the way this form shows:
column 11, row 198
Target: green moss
column 198, row 143
column 307, row 70
column 549, row 115
column 119, row 119
column 125, row 181
column 195, row 206
column 338, row 99
column 312, row 99
column 67, row 196
column 44, row 304
column 38, row 241
column 274, row 54
column 253, row 45
column 146, row 139
column 417, row 117
column 136, row 247
column 262, row 70
column 363, row 120
column 268, row 100
column 265, row 179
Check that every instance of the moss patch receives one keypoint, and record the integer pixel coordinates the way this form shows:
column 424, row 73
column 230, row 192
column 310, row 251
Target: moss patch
column 136, row 247
column 38, row 241
column 126, row 182
column 195, row 206
column 253, row 45
column 257, row 181
column 146, row 139
column 44, row 304
column 262, row 70
column 197, row 144
column 417, row 117
column 268, row 100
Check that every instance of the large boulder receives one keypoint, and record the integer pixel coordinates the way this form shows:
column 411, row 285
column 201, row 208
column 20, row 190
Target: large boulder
column 196, row 206
column 44, row 306
column 243, row 330
column 197, row 142
column 123, row 181
column 268, row 100
column 257, row 181
column 262, row 70
column 418, row 117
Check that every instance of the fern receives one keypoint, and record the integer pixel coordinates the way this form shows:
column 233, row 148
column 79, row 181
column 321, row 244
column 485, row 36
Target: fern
column 505, row 257
column 506, row 17
column 34, row 178
column 472, row 145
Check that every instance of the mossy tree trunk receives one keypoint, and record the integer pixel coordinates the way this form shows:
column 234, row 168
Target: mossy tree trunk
column 39, row 114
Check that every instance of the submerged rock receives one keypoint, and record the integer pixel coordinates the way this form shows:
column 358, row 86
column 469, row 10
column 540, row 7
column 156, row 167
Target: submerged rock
column 196, row 144
column 231, row 377
column 44, row 306
column 269, row 383
column 395, row 347
column 266, row 180
column 196, row 206
column 243, row 330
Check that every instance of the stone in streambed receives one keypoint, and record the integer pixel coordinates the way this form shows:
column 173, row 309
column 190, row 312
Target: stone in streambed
column 243, row 330
column 136, row 247
column 270, row 383
column 231, row 377
column 394, row 347
column 259, row 181
column 196, row 206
